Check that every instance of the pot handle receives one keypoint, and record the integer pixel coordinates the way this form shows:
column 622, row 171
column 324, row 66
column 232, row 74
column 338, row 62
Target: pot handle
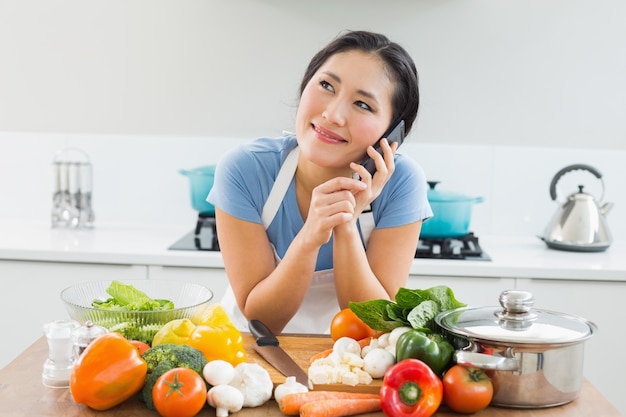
column 484, row 361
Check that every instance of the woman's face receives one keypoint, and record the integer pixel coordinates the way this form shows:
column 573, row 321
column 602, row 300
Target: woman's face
column 345, row 107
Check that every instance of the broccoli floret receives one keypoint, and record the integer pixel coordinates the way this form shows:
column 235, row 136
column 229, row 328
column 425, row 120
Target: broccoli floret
column 162, row 358
column 151, row 379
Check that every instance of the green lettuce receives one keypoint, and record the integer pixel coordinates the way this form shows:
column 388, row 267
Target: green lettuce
column 412, row 307
column 128, row 298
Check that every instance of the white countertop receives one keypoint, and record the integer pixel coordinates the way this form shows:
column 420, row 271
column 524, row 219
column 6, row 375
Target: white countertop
column 511, row 256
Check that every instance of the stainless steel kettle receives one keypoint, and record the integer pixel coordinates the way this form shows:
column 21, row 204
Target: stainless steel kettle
column 579, row 224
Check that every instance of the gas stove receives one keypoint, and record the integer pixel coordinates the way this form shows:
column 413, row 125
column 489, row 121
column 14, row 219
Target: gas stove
column 204, row 238
column 464, row 248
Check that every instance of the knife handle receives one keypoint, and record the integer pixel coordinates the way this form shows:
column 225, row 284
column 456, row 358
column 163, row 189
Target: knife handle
column 263, row 335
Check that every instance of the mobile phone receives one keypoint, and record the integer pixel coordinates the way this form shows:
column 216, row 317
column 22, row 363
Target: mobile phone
column 395, row 134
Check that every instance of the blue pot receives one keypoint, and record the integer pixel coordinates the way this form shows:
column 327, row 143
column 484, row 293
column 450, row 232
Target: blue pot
column 201, row 182
column 452, row 213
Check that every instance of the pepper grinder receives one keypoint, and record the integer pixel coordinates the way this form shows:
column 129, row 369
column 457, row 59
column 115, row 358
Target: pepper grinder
column 84, row 335
column 58, row 366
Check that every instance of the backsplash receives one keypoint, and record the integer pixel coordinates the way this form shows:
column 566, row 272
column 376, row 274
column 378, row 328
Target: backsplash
column 136, row 178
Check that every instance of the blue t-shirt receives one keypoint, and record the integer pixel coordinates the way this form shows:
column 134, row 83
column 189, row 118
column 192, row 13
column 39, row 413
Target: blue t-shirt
column 244, row 178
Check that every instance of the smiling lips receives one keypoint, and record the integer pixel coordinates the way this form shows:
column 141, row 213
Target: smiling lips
column 327, row 135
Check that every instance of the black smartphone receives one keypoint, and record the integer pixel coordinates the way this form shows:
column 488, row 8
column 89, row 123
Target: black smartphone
column 395, row 134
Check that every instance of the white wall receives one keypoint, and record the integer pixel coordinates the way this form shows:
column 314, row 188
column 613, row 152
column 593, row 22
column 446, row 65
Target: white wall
column 136, row 178
column 493, row 72
column 512, row 91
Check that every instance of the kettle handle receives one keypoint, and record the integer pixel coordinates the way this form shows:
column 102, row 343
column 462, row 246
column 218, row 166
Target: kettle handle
column 568, row 169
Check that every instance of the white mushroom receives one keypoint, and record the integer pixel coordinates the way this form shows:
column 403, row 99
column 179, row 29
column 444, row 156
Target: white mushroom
column 395, row 334
column 225, row 399
column 346, row 345
column 377, row 362
column 218, row 372
column 289, row 386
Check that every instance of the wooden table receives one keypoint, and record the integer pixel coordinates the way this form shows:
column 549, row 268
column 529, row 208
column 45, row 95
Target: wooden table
column 22, row 394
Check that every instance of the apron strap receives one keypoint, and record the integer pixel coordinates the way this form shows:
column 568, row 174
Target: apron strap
column 367, row 223
column 281, row 185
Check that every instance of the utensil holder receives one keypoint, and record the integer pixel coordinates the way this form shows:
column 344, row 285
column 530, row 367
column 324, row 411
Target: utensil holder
column 72, row 190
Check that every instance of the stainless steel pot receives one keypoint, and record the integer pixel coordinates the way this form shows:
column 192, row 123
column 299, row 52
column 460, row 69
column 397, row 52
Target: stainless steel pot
column 534, row 357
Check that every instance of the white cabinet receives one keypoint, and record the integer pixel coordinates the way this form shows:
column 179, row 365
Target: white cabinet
column 212, row 278
column 469, row 290
column 600, row 302
column 31, row 296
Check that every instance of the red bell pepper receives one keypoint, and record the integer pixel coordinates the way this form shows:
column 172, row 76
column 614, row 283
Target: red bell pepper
column 410, row 388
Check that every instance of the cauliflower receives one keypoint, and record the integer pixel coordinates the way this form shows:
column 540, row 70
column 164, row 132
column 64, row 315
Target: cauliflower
column 254, row 382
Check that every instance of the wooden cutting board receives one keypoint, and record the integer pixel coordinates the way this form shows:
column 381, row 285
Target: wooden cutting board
column 301, row 349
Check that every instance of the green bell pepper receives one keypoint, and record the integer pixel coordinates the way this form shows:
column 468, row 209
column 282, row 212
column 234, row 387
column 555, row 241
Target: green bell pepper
column 432, row 349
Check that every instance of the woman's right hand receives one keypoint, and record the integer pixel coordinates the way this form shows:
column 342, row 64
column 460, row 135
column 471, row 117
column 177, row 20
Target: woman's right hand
column 332, row 203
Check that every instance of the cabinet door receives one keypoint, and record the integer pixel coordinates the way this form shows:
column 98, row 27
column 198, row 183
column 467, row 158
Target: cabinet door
column 31, row 296
column 213, row 278
column 469, row 290
column 600, row 302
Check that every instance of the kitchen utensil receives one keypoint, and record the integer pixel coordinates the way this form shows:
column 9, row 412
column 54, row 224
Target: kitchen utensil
column 268, row 346
column 201, row 182
column 72, row 190
column 188, row 298
column 452, row 213
column 579, row 224
column 535, row 357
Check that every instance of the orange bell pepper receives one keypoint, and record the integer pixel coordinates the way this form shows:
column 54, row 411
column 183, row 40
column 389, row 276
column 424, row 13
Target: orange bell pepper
column 108, row 372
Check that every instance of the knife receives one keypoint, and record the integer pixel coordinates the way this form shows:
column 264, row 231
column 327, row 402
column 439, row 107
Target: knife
column 268, row 347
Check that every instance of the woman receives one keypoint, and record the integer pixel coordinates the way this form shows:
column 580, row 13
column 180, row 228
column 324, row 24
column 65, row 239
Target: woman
column 291, row 212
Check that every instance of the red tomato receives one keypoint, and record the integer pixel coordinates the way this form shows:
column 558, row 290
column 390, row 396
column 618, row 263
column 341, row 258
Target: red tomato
column 141, row 346
column 179, row 392
column 347, row 324
column 466, row 389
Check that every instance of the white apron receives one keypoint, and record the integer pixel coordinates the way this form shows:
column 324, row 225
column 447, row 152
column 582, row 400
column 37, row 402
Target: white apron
column 320, row 302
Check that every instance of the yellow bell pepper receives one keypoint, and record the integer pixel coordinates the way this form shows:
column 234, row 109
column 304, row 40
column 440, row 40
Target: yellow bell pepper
column 176, row 331
column 212, row 315
column 211, row 331
column 219, row 342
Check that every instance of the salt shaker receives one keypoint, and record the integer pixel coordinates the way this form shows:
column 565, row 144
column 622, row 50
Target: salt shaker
column 58, row 366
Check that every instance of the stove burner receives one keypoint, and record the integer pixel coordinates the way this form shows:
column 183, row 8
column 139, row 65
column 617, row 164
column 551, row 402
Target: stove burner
column 203, row 237
column 464, row 247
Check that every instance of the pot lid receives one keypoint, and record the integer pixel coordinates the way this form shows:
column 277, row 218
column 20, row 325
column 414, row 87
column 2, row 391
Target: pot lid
column 206, row 170
column 447, row 196
column 516, row 322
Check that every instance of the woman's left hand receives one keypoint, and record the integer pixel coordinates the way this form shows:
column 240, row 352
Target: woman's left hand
column 385, row 167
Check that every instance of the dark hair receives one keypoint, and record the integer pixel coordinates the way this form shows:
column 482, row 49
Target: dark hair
column 402, row 71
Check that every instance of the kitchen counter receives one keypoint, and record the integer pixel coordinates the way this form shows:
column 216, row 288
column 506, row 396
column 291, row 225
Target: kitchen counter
column 33, row 255
column 22, row 394
column 511, row 256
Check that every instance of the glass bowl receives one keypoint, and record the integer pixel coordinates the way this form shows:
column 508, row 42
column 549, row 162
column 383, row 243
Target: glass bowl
column 188, row 299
